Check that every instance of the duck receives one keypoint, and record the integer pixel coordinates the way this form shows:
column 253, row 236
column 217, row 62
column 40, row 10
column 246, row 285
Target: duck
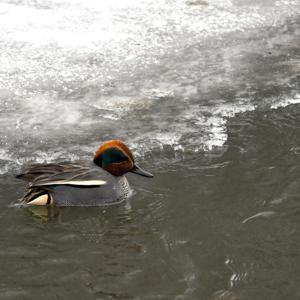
column 98, row 182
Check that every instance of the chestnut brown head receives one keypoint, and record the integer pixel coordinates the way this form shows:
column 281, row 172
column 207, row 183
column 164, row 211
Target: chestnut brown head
column 116, row 158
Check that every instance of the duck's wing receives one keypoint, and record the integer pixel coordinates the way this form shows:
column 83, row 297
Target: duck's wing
column 34, row 171
column 74, row 174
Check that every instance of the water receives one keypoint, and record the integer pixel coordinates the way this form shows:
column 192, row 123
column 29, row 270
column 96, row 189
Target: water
column 207, row 95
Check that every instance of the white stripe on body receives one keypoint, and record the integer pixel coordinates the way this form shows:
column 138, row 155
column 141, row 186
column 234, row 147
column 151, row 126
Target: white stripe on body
column 74, row 182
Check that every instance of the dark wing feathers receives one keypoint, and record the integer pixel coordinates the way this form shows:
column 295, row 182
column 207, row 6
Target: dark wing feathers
column 41, row 174
column 36, row 170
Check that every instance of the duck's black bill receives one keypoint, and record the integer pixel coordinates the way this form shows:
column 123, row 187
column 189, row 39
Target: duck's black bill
column 140, row 171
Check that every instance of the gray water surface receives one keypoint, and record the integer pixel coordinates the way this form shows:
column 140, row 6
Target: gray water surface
column 206, row 94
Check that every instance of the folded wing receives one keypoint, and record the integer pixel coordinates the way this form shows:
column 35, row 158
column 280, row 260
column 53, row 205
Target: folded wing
column 71, row 174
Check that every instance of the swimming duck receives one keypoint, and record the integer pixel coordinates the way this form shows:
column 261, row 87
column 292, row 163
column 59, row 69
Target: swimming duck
column 95, row 183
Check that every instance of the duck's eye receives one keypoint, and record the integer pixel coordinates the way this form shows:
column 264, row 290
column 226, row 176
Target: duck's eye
column 113, row 155
column 125, row 158
column 110, row 156
column 116, row 155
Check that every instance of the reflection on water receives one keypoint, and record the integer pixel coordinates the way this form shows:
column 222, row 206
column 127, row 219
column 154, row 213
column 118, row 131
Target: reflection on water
column 207, row 95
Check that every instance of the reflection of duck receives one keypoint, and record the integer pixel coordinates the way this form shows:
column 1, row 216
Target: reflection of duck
column 100, row 182
column 44, row 213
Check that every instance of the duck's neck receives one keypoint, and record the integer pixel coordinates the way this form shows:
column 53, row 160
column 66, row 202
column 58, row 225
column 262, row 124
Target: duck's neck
column 123, row 182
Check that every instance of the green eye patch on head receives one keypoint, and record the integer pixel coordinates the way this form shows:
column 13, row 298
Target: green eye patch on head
column 112, row 155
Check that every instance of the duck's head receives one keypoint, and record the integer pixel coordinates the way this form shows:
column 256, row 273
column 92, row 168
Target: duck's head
column 115, row 157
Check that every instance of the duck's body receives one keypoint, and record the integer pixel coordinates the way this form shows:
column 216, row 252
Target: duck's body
column 81, row 183
column 73, row 184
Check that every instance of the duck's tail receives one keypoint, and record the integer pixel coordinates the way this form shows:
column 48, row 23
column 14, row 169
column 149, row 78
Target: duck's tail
column 37, row 196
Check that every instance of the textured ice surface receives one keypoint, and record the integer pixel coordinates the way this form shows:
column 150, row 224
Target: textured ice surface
column 154, row 73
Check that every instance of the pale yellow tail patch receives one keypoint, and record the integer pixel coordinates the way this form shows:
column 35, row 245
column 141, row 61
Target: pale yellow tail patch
column 41, row 200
